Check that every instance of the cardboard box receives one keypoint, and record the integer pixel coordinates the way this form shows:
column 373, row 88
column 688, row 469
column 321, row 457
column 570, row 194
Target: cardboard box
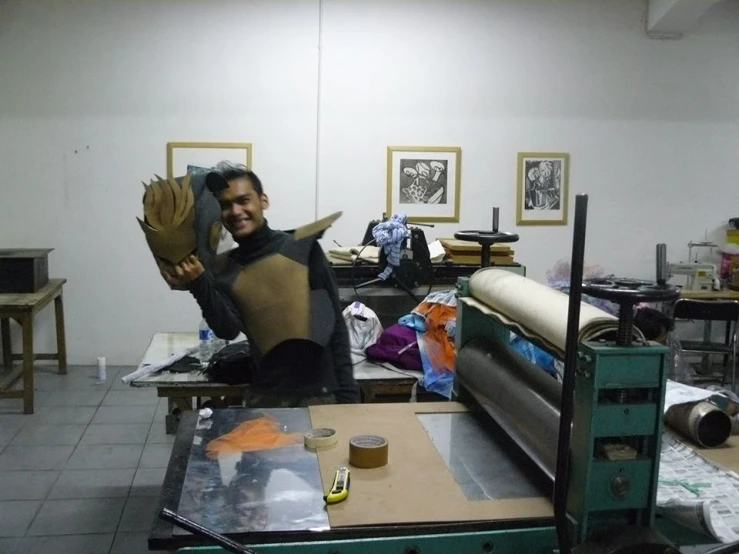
column 24, row 270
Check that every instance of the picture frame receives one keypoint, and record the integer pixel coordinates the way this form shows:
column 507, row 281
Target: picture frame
column 542, row 188
column 424, row 183
column 182, row 156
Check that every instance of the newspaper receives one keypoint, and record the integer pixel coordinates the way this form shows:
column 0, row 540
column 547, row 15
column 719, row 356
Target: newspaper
column 696, row 493
column 678, row 393
column 147, row 369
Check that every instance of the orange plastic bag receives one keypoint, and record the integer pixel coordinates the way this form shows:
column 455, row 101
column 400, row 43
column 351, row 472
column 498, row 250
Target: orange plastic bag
column 263, row 433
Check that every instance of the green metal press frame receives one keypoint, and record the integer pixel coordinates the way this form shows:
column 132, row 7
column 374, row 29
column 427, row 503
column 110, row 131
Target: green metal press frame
column 619, row 398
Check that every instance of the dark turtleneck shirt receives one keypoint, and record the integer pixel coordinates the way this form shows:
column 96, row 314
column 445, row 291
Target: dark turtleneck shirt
column 331, row 371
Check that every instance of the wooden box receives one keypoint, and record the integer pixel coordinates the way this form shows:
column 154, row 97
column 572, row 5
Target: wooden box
column 465, row 252
column 23, row 270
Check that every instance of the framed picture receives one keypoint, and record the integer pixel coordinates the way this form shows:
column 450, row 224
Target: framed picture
column 542, row 188
column 423, row 182
column 184, row 156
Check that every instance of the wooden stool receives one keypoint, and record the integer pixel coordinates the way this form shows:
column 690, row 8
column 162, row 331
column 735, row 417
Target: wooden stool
column 23, row 308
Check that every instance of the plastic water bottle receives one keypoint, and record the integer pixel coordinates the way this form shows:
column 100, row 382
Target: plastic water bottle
column 217, row 344
column 206, row 341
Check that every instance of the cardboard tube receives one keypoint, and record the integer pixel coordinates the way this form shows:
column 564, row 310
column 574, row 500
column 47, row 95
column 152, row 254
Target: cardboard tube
column 702, row 422
column 368, row 451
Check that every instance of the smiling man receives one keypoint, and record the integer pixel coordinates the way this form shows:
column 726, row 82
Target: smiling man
column 278, row 289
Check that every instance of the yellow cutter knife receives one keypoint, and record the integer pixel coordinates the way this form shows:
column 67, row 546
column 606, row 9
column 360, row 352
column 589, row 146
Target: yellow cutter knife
column 340, row 489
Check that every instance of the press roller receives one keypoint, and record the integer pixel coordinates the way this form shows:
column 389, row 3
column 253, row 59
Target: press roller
column 597, row 435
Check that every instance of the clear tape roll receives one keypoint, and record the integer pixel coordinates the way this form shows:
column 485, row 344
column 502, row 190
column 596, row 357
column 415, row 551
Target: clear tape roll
column 368, row 451
column 317, row 438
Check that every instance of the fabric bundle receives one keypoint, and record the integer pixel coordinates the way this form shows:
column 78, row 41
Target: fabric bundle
column 434, row 321
column 389, row 236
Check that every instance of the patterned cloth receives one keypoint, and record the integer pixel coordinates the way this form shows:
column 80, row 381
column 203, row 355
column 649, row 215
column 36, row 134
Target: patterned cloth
column 434, row 321
column 389, row 236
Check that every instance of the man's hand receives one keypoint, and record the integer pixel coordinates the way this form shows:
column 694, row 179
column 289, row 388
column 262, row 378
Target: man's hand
column 184, row 273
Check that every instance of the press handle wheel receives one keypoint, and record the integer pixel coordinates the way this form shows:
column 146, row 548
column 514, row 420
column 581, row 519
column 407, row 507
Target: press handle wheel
column 485, row 239
column 626, row 293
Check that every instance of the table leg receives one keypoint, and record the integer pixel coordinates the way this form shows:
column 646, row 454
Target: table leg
column 27, row 325
column 707, row 359
column 7, row 349
column 61, row 339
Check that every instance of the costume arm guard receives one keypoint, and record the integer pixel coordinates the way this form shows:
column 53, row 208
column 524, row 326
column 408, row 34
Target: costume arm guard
column 340, row 345
column 218, row 309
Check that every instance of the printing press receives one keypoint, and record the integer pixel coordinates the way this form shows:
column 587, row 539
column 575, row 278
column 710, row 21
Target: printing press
column 518, row 462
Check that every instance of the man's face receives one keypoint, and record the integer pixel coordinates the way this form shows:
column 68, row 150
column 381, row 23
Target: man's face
column 242, row 209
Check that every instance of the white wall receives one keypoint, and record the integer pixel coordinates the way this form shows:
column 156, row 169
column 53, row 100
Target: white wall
column 91, row 92
column 652, row 126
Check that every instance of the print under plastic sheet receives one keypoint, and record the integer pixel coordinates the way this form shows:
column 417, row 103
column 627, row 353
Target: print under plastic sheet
column 248, row 471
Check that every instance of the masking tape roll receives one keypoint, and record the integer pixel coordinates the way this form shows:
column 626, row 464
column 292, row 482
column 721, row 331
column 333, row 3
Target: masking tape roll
column 316, row 438
column 368, row 451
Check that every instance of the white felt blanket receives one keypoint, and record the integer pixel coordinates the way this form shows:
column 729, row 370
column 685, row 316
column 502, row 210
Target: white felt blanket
column 536, row 310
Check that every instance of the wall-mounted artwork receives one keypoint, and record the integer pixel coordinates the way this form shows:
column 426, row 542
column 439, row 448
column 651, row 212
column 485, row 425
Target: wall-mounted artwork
column 542, row 188
column 423, row 182
column 182, row 156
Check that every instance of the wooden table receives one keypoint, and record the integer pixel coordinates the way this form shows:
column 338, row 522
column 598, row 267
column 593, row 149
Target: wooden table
column 378, row 383
column 713, row 296
column 23, row 309
column 726, row 294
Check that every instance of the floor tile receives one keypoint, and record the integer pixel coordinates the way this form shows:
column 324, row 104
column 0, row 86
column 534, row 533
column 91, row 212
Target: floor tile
column 128, row 543
column 77, row 517
column 158, row 433
column 9, row 546
column 74, row 398
column 116, row 433
column 133, row 397
column 55, row 383
column 93, row 483
column 139, row 514
column 156, row 456
column 104, row 456
column 16, row 517
column 26, row 485
column 63, row 415
column 10, row 424
column 69, row 544
column 37, row 434
column 148, row 481
column 35, row 458
column 14, row 406
column 125, row 414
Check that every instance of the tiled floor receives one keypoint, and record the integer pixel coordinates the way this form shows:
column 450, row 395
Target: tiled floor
column 82, row 475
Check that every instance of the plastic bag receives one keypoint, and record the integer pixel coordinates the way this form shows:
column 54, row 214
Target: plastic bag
column 680, row 369
column 364, row 329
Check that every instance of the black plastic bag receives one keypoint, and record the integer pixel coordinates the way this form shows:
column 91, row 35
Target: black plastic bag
column 232, row 365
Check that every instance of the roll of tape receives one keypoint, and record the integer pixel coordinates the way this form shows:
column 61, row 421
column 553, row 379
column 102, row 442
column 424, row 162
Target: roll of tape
column 368, row 451
column 316, row 438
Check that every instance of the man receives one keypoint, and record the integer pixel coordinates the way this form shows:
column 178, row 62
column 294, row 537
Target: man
column 278, row 288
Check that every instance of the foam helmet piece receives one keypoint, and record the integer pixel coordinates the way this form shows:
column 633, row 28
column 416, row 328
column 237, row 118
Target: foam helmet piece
column 215, row 182
column 181, row 217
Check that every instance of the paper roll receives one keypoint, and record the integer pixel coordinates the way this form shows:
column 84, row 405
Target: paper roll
column 368, row 451
column 317, row 438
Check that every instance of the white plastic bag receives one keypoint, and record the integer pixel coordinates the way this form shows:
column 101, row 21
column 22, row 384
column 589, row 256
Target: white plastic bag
column 364, row 329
